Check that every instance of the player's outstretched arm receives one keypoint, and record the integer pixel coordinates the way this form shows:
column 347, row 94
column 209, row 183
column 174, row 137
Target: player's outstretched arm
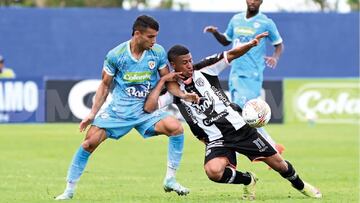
column 100, row 97
column 241, row 50
column 218, row 36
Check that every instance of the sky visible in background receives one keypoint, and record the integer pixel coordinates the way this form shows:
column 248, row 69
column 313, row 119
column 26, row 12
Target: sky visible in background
column 267, row 6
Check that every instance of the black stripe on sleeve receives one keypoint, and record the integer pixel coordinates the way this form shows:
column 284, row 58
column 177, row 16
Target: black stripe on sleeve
column 208, row 61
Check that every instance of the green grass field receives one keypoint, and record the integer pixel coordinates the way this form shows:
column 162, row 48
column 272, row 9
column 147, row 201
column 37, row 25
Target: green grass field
column 34, row 161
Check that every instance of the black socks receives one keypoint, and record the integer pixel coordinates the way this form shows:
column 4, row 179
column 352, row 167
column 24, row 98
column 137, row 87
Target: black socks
column 294, row 178
column 231, row 176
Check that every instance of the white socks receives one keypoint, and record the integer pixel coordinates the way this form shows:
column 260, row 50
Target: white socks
column 70, row 187
column 170, row 172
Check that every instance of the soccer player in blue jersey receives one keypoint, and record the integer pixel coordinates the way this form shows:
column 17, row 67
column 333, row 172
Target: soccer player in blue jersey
column 246, row 74
column 133, row 68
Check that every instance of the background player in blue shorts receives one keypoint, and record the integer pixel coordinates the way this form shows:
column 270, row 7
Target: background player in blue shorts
column 246, row 75
column 133, row 67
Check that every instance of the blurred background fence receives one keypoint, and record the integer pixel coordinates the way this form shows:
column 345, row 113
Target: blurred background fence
column 54, row 49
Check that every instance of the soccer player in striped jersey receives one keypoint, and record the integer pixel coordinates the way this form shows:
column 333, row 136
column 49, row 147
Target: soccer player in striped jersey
column 218, row 123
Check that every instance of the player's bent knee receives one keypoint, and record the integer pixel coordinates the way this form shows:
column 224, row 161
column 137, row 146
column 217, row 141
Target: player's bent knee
column 93, row 138
column 87, row 146
column 214, row 172
column 214, row 176
column 174, row 127
column 178, row 129
column 169, row 126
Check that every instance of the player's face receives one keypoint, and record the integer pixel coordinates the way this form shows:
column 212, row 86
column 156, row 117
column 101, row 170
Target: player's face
column 253, row 5
column 147, row 38
column 183, row 64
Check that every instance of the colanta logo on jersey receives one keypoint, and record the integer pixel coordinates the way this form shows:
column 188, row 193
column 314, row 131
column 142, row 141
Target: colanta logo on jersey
column 137, row 76
column 246, row 31
column 138, row 90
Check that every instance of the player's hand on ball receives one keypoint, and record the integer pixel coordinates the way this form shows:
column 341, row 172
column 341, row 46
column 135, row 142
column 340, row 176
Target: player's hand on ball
column 86, row 121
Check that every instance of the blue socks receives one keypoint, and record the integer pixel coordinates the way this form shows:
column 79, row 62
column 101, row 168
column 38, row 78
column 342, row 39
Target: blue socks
column 176, row 145
column 80, row 159
column 77, row 165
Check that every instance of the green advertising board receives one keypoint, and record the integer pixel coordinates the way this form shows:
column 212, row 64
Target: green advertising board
column 322, row 100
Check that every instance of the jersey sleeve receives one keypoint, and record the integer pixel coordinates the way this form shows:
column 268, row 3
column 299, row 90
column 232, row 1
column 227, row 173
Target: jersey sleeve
column 110, row 64
column 162, row 58
column 165, row 100
column 274, row 35
column 214, row 64
column 229, row 32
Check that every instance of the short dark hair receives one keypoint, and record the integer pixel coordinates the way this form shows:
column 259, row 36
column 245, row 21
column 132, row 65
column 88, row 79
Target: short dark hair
column 143, row 22
column 175, row 51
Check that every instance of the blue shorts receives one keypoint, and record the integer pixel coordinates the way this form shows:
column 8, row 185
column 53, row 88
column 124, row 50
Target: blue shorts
column 242, row 89
column 116, row 126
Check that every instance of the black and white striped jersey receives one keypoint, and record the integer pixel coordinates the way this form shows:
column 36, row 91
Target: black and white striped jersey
column 215, row 117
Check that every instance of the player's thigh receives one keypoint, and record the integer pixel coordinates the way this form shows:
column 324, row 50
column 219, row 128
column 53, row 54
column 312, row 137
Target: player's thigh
column 169, row 126
column 115, row 127
column 153, row 124
column 219, row 156
column 93, row 138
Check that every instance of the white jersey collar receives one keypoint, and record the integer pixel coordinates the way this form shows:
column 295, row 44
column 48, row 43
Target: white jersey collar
column 130, row 54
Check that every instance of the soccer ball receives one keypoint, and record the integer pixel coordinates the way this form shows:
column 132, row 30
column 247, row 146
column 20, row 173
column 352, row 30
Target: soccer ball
column 256, row 113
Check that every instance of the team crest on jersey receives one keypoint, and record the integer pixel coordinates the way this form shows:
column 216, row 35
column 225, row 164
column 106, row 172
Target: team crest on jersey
column 256, row 25
column 151, row 64
column 200, row 82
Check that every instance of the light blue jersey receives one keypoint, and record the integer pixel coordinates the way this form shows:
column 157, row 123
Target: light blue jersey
column 252, row 64
column 133, row 80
